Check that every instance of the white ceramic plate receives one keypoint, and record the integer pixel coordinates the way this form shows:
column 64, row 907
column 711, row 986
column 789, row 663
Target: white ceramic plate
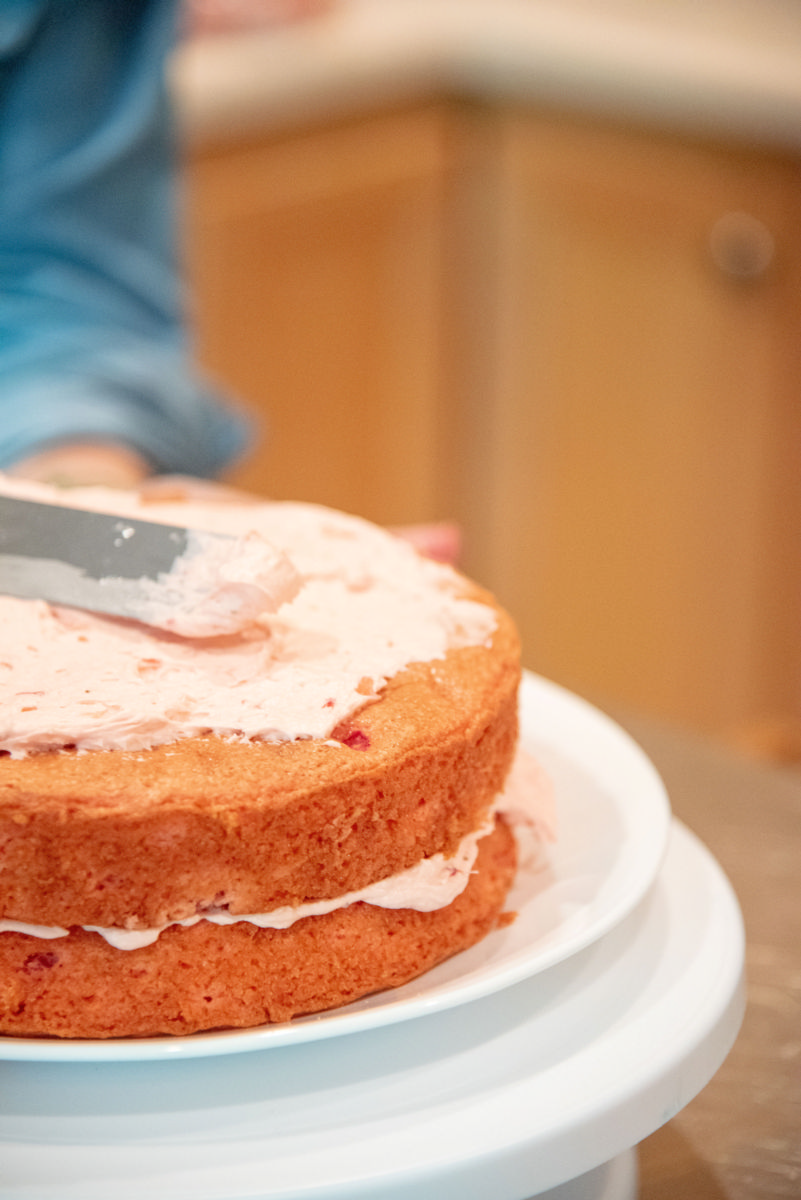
column 613, row 821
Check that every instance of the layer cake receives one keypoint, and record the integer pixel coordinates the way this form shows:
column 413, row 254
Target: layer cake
column 228, row 830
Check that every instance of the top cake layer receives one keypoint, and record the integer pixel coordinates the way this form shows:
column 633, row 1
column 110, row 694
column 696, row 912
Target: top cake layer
column 355, row 605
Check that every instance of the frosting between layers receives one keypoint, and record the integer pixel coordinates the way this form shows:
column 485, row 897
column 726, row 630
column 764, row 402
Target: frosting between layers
column 432, row 884
column 369, row 605
column 435, row 882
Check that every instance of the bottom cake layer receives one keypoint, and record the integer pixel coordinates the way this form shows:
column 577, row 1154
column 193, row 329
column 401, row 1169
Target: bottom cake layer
column 211, row 977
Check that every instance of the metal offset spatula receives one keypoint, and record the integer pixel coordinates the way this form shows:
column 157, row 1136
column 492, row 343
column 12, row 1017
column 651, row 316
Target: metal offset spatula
column 107, row 564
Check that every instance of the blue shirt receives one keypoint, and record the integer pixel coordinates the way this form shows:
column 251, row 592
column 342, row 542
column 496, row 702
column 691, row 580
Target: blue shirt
column 93, row 344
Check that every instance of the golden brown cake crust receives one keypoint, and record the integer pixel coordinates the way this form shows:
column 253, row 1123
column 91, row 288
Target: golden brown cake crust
column 140, row 838
column 207, row 977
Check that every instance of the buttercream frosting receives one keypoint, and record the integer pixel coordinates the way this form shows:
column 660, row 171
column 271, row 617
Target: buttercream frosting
column 218, row 586
column 353, row 606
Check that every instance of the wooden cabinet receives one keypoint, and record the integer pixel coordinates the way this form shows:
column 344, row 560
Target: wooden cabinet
column 641, row 438
column 580, row 340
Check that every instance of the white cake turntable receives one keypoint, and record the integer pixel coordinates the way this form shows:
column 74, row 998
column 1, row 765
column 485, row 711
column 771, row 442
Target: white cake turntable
column 530, row 1065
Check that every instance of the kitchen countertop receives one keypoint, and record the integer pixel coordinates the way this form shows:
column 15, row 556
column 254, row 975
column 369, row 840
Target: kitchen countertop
column 726, row 68
column 740, row 1138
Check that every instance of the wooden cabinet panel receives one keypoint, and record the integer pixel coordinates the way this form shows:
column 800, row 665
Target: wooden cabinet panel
column 642, row 433
column 317, row 264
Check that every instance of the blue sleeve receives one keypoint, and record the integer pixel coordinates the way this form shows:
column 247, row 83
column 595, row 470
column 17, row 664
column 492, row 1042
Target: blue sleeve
column 93, row 342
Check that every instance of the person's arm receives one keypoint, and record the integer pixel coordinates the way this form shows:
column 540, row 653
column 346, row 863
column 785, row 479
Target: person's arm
column 93, row 345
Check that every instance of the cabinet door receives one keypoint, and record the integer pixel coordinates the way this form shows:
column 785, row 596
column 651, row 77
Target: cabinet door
column 641, row 445
column 315, row 260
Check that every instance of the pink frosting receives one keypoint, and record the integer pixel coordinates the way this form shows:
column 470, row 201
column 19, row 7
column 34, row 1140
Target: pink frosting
column 219, row 586
column 345, row 606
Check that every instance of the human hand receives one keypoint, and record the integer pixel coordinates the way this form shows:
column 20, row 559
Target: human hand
column 83, row 464
column 440, row 540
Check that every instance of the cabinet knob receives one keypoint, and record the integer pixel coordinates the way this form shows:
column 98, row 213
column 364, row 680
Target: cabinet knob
column 742, row 246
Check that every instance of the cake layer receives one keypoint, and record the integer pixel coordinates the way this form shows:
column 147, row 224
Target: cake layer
column 207, row 977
